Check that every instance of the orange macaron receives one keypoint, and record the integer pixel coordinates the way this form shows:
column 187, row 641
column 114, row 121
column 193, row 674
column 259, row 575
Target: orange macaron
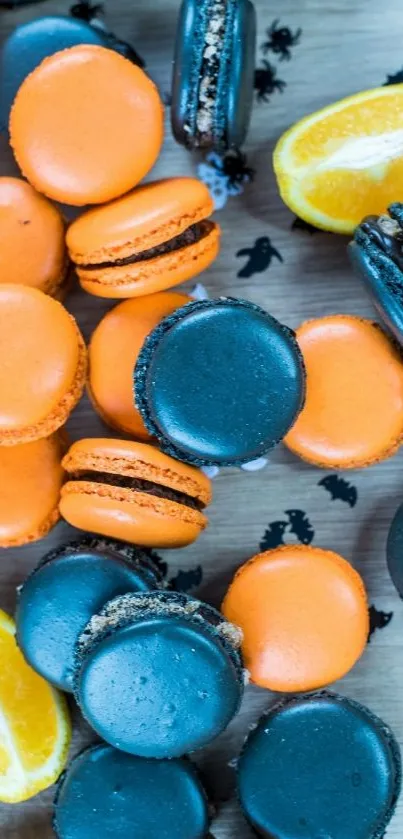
column 43, row 363
column 32, row 239
column 155, row 237
column 86, row 125
column 133, row 492
column 31, row 477
column 304, row 617
column 113, row 353
column 353, row 414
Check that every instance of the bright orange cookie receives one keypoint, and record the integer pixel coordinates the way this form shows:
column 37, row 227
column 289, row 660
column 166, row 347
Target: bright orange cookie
column 86, row 125
column 154, row 238
column 31, row 477
column 304, row 615
column 32, row 239
column 43, row 363
column 353, row 414
column 113, row 352
column 133, row 492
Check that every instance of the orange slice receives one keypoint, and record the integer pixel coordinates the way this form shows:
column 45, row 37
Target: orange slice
column 35, row 728
column 345, row 161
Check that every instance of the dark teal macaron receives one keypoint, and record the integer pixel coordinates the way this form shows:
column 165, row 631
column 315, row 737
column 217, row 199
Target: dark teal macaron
column 106, row 794
column 33, row 41
column 394, row 550
column 320, row 766
column 377, row 256
column 70, row 585
column 219, row 382
column 213, row 73
column 158, row 675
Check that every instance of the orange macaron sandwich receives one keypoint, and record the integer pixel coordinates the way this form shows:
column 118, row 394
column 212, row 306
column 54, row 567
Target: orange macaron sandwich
column 133, row 492
column 155, row 237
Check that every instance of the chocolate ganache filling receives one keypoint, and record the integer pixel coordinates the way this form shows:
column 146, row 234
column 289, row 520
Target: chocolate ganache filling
column 139, row 485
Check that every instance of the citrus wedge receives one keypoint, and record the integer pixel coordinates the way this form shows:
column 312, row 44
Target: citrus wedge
column 34, row 724
column 344, row 162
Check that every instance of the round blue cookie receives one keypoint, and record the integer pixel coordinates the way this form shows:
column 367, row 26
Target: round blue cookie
column 394, row 550
column 70, row 585
column 158, row 675
column 219, row 382
column 320, row 766
column 377, row 256
column 30, row 43
column 106, row 794
column 213, row 75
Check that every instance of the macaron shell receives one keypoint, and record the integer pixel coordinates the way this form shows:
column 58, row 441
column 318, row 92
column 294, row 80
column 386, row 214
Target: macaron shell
column 113, row 352
column 32, row 247
column 86, row 125
column 31, row 477
column 153, row 275
column 304, row 615
column 148, row 216
column 383, row 281
column 143, row 520
column 43, row 364
column 353, row 414
column 126, row 457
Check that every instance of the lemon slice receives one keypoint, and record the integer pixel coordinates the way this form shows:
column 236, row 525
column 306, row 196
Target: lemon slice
column 344, row 162
column 35, row 727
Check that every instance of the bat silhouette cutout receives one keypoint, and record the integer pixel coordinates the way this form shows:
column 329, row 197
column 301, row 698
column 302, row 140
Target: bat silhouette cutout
column 378, row 620
column 340, row 489
column 260, row 256
column 300, row 525
column 186, row 580
column 273, row 536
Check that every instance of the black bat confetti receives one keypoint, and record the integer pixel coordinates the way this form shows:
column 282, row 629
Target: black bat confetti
column 378, row 620
column 186, row 580
column 300, row 525
column 340, row 489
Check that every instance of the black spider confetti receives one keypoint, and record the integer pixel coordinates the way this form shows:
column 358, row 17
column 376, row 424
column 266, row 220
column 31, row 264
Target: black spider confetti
column 266, row 82
column 378, row 620
column 86, row 11
column 298, row 524
column 186, row 580
column 234, row 166
column 340, row 489
column 259, row 256
column 301, row 224
column 90, row 12
column 395, row 78
column 280, row 39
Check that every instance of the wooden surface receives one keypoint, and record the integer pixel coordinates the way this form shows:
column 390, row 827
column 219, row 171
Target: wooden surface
column 346, row 46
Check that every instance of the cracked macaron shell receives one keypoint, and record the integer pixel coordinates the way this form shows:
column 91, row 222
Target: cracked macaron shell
column 86, row 125
column 145, row 218
column 31, row 478
column 32, row 238
column 113, row 351
column 353, row 413
column 43, row 364
column 304, row 615
column 179, row 661
column 122, row 513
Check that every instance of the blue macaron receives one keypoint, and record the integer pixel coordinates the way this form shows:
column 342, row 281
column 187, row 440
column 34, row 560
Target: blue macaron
column 106, row 794
column 70, row 585
column 159, row 674
column 213, row 73
column 322, row 766
column 394, row 550
column 219, row 382
column 377, row 255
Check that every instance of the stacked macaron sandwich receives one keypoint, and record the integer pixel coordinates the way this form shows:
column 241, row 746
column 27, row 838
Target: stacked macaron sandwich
column 186, row 385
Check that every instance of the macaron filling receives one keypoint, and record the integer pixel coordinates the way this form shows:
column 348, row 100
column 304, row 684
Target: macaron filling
column 386, row 233
column 191, row 236
column 140, row 485
column 217, row 20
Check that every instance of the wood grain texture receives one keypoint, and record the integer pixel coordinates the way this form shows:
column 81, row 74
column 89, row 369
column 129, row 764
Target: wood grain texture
column 345, row 47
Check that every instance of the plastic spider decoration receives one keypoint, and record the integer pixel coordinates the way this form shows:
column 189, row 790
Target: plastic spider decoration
column 280, row 39
column 225, row 176
column 266, row 81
